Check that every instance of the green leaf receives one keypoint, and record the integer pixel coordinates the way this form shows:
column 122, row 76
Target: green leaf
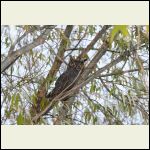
column 12, row 101
column 90, row 104
column 118, row 29
column 142, row 87
column 8, row 113
column 33, row 98
column 147, row 29
column 89, row 116
column 94, row 107
column 124, row 30
column 93, row 88
column 117, row 71
column 6, row 42
column 91, row 30
column 42, row 104
column 113, row 33
column 9, row 97
column 17, row 100
column 41, row 56
column 86, row 114
column 95, row 120
column 80, row 28
column 112, row 91
column 20, row 119
column 139, row 64
column 31, row 52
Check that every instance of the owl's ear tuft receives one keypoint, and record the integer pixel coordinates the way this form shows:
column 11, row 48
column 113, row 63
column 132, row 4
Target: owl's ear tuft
column 71, row 61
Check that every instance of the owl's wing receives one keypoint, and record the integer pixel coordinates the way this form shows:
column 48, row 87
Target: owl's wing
column 61, row 83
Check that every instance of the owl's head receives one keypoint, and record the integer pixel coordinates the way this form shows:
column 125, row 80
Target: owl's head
column 77, row 64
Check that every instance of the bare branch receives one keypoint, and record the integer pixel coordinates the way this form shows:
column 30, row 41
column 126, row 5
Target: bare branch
column 122, row 72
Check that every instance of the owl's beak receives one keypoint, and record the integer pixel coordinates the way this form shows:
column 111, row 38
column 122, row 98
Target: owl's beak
column 85, row 59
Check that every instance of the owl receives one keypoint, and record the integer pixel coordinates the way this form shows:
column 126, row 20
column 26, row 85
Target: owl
column 66, row 79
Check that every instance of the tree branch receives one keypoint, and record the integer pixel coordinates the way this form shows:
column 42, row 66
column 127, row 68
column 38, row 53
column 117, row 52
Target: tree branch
column 12, row 57
column 96, row 38
column 122, row 72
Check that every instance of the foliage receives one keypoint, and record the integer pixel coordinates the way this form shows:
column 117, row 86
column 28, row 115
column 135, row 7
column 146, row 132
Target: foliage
column 119, row 95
